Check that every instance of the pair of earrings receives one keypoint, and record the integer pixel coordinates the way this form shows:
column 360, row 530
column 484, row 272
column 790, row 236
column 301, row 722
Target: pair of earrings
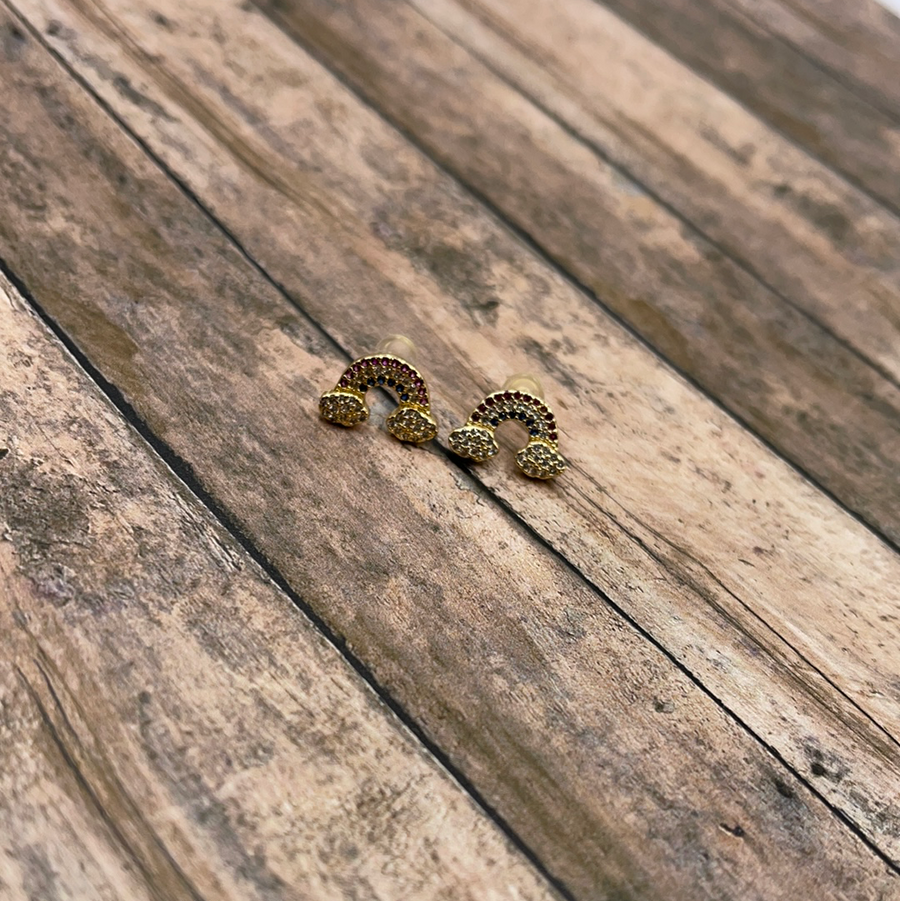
column 519, row 400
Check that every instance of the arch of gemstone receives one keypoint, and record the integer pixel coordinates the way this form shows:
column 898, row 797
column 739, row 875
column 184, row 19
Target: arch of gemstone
column 346, row 403
column 540, row 458
column 519, row 406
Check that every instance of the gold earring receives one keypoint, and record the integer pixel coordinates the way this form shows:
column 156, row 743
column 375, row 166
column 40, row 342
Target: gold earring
column 521, row 399
column 387, row 368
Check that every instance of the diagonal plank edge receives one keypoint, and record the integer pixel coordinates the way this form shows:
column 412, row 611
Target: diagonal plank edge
column 172, row 727
column 857, row 43
column 195, row 406
column 791, row 223
column 796, row 96
column 802, row 391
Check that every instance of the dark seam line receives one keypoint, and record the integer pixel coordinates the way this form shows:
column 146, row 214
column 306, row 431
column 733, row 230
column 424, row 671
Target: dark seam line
column 573, row 132
column 661, row 560
column 857, row 88
column 682, row 668
column 185, row 472
column 85, row 786
column 712, row 77
column 539, row 251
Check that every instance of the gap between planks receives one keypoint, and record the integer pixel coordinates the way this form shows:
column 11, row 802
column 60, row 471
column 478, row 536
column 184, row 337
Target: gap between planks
column 844, row 420
column 854, row 43
column 184, row 471
column 832, row 141
column 137, row 585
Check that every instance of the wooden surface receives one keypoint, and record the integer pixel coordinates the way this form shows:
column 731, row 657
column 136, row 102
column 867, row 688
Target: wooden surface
column 855, row 42
column 728, row 43
column 238, row 756
column 798, row 382
column 671, row 674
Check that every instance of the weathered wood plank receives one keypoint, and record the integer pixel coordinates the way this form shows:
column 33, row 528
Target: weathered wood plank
column 822, row 244
column 779, row 84
column 547, row 699
column 576, row 365
column 859, row 42
column 171, row 726
column 789, row 379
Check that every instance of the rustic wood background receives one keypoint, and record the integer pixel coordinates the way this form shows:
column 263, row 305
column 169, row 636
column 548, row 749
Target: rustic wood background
column 247, row 655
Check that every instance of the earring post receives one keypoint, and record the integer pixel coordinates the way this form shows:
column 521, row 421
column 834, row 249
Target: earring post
column 398, row 346
column 524, row 381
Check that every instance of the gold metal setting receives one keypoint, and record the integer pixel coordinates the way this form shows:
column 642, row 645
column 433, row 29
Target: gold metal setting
column 346, row 404
column 540, row 458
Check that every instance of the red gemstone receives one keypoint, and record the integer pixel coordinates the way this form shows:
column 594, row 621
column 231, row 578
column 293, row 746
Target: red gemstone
column 490, row 401
column 475, row 417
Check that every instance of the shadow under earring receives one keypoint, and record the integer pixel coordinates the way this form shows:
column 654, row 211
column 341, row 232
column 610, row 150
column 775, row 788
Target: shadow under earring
column 520, row 399
column 389, row 368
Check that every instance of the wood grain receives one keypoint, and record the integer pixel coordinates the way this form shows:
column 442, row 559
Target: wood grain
column 171, row 726
column 789, row 379
column 615, row 767
column 477, row 292
column 778, row 84
column 859, row 42
column 818, row 242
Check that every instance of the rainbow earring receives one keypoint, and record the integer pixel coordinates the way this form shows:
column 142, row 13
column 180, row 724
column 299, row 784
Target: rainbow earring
column 388, row 368
column 520, row 399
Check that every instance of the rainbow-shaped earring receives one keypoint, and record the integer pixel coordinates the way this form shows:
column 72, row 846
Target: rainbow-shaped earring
column 388, row 368
column 519, row 400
